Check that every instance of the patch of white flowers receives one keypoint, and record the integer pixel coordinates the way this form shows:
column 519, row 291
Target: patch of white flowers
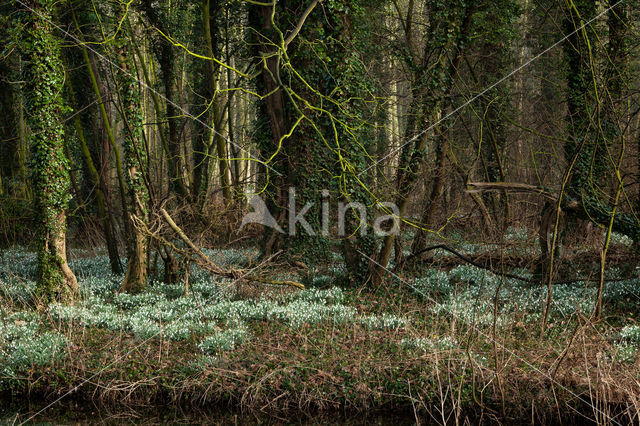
column 23, row 346
column 475, row 295
column 17, row 290
column 625, row 351
column 322, row 280
column 424, row 344
column 224, row 340
column 202, row 362
column 154, row 315
column 17, row 274
column 516, row 234
column 18, row 262
column 333, row 295
column 620, row 239
column 232, row 257
column 434, row 282
column 631, row 333
column 208, row 313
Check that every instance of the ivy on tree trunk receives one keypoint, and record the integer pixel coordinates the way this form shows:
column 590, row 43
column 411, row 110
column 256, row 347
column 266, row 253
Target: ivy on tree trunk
column 44, row 82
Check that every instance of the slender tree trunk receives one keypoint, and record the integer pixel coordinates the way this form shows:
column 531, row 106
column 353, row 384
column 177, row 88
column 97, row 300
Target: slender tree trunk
column 211, row 9
column 101, row 92
column 99, row 180
column 13, row 170
column 427, row 220
column 8, row 128
column 174, row 160
column 136, row 162
column 104, row 217
column 166, row 60
column 273, row 117
column 442, row 77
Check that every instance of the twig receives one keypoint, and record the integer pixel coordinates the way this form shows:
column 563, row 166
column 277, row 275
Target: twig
column 211, row 266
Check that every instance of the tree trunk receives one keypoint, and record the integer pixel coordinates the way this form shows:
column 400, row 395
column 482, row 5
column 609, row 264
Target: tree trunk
column 166, row 59
column 136, row 162
column 427, row 220
column 98, row 180
column 44, row 80
column 101, row 93
column 273, row 122
column 440, row 78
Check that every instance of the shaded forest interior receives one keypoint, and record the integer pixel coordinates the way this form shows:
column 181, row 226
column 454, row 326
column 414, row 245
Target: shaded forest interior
column 454, row 176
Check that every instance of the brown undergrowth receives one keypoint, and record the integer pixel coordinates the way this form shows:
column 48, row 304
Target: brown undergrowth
column 510, row 374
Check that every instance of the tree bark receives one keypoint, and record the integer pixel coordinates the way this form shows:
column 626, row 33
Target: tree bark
column 166, row 60
column 136, row 161
column 441, row 77
column 44, row 80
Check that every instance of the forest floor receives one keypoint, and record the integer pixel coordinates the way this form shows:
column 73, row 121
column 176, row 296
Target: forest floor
column 449, row 341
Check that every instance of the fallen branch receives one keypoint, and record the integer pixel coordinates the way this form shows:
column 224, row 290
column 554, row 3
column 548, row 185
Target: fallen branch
column 587, row 208
column 204, row 261
column 470, row 261
column 504, row 274
column 519, row 187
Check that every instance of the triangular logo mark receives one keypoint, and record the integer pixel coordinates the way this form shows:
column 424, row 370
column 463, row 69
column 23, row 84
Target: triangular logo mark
column 260, row 215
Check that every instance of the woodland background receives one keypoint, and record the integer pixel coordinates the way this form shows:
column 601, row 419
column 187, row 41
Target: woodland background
column 507, row 133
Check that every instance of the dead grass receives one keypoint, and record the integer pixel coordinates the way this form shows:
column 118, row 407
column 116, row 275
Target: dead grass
column 352, row 369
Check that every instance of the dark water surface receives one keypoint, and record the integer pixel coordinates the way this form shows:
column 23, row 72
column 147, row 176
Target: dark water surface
column 70, row 413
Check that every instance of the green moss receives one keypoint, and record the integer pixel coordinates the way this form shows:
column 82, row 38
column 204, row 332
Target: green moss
column 44, row 107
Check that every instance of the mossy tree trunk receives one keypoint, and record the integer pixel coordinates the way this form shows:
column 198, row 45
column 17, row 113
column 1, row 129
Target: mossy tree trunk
column 312, row 114
column 98, row 176
column 44, row 81
column 431, row 85
column 615, row 114
column 159, row 17
column 592, row 125
column 497, row 23
column 135, row 157
column 355, row 138
column 582, row 106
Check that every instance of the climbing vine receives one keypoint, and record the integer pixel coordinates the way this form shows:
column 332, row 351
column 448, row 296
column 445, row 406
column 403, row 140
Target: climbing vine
column 44, row 81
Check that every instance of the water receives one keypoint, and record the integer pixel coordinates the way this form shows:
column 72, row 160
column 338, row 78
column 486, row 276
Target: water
column 73, row 413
